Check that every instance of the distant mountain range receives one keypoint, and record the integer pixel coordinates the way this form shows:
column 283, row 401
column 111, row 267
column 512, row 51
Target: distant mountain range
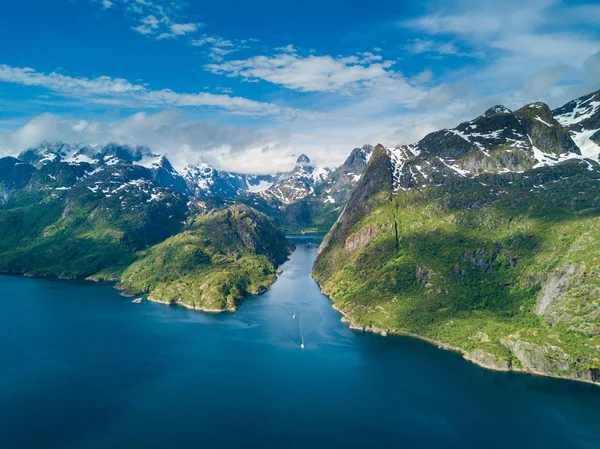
column 307, row 194
column 198, row 180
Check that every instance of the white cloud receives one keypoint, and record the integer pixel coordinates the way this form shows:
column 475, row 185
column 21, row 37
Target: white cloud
column 349, row 75
column 148, row 25
column 437, row 48
column 218, row 46
column 287, row 49
column 104, row 89
column 533, row 49
column 242, row 149
column 54, row 81
column 181, row 29
column 215, row 41
column 513, row 52
column 228, row 147
column 143, row 30
column 156, row 19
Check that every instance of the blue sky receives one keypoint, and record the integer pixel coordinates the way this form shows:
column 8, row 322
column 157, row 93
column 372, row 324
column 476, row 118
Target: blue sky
column 248, row 86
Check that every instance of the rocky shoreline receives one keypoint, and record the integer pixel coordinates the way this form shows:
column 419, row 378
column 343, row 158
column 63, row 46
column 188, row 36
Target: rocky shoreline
column 478, row 356
column 187, row 306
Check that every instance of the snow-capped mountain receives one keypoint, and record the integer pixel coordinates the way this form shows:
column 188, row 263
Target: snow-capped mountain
column 582, row 118
column 295, row 185
column 14, row 175
column 498, row 141
column 164, row 173
column 47, row 152
column 203, row 180
column 200, row 180
column 337, row 187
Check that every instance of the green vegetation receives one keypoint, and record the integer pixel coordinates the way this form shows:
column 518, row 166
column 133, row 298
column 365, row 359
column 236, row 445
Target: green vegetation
column 48, row 229
column 74, row 222
column 469, row 262
column 223, row 256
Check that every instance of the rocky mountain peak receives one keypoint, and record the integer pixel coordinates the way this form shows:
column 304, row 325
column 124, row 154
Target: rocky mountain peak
column 303, row 159
column 582, row 118
column 358, row 159
column 495, row 110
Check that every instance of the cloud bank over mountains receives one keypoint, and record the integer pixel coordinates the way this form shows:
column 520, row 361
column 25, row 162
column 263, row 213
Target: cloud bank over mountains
column 253, row 103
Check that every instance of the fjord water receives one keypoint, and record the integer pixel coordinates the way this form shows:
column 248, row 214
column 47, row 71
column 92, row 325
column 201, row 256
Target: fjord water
column 82, row 367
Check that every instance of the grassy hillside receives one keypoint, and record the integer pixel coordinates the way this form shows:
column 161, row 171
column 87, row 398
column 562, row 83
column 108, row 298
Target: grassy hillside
column 113, row 222
column 505, row 267
column 223, row 256
column 70, row 223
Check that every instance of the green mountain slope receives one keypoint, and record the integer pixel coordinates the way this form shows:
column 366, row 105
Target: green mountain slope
column 77, row 220
column 72, row 221
column 220, row 258
column 503, row 266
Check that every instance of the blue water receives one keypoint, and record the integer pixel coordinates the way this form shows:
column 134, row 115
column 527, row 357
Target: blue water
column 82, row 367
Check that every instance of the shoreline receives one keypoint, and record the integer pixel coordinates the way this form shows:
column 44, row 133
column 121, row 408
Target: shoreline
column 344, row 319
column 441, row 345
column 187, row 306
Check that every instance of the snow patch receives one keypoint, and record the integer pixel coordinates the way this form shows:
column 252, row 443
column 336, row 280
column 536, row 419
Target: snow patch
column 260, row 187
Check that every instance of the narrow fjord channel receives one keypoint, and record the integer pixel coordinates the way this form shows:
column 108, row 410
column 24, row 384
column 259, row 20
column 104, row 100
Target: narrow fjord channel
column 82, row 367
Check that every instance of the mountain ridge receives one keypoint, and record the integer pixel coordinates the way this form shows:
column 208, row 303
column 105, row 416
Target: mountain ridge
column 481, row 239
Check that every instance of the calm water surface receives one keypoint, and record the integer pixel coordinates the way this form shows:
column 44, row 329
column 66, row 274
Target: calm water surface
column 82, row 367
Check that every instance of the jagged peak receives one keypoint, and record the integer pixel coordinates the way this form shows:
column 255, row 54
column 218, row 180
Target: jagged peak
column 495, row 110
column 163, row 161
column 303, row 159
column 537, row 105
column 536, row 111
column 589, row 97
column 367, row 148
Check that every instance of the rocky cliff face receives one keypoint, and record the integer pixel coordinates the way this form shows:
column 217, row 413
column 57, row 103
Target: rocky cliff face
column 582, row 118
column 338, row 187
column 498, row 141
column 14, row 175
column 481, row 238
column 301, row 182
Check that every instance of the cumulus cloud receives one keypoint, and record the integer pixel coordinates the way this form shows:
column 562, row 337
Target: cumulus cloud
column 245, row 149
column 104, row 90
column 512, row 53
column 181, row 29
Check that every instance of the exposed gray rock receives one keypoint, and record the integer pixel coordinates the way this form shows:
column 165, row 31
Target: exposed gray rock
column 362, row 238
column 488, row 360
column 539, row 359
column 553, row 288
